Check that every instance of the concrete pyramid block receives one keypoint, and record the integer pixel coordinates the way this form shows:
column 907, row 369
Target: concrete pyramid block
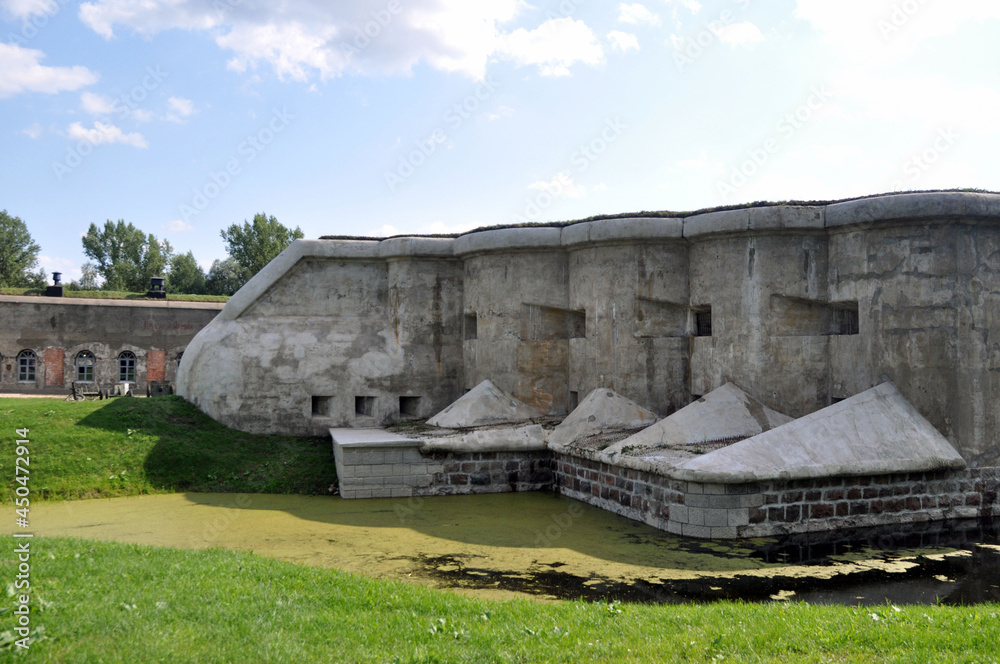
column 483, row 405
column 875, row 432
column 723, row 414
column 601, row 410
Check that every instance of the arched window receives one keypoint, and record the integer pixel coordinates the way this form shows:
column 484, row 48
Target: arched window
column 26, row 362
column 126, row 367
column 85, row 366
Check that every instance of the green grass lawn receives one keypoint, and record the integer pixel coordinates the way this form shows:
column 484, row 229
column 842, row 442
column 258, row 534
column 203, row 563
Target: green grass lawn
column 132, row 446
column 102, row 602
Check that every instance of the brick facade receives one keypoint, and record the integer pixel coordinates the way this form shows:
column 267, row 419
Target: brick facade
column 156, row 365
column 54, row 362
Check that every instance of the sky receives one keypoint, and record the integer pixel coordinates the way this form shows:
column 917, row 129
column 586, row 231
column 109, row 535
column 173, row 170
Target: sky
column 384, row 117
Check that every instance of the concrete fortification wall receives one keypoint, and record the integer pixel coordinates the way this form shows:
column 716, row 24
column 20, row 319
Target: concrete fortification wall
column 801, row 306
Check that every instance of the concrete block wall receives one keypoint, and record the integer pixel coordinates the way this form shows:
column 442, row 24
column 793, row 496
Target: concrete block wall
column 728, row 511
column 395, row 471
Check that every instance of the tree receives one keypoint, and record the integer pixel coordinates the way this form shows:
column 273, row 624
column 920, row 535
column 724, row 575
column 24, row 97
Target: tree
column 125, row 256
column 18, row 253
column 186, row 276
column 225, row 277
column 254, row 244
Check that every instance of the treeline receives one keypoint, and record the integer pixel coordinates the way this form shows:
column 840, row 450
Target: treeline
column 124, row 258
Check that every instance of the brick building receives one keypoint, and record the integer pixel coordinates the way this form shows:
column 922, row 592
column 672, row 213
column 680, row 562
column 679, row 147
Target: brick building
column 47, row 344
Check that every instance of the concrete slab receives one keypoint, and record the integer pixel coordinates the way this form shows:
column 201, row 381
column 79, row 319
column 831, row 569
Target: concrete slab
column 723, row 414
column 872, row 433
column 483, row 405
column 371, row 438
column 501, row 439
column 601, row 410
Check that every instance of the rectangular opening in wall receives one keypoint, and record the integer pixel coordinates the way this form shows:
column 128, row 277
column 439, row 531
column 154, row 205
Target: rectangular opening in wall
column 801, row 317
column 574, row 400
column 321, row 406
column 364, row 406
column 659, row 319
column 471, row 326
column 845, row 319
column 541, row 323
column 703, row 322
column 409, row 406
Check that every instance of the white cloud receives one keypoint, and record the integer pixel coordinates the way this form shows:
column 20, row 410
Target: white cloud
column 561, row 186
column 180, row 108
column 867, row 29
column 105, row 133
column 179, row 226
column 691, row 5
column 554, row 46
column 739, row 34
column 637, row 14
column 385, row 230
column 309, row 37
column 502, row 112
column 28, row 8
column 623, row 41
column 33, row 131
column 21, row 71
column 96, row 104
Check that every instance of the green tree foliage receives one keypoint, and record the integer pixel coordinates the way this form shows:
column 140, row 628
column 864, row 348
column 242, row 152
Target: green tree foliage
column 255, row 243
column 125, row 256
column 225, row 277
column 186, row 276
column 18, row 254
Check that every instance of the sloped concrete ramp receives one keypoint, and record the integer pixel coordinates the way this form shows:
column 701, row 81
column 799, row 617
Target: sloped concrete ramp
column 483, row 405
column 875, row 432
column 601, row 410
column 723, row 414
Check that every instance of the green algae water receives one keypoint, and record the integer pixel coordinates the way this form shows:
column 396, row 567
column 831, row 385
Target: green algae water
column 544, row 546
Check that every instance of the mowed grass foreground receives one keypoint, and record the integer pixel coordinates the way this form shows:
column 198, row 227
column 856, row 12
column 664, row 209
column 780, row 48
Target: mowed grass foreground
column 106, row 602
column 99, row 602
column 133, row 446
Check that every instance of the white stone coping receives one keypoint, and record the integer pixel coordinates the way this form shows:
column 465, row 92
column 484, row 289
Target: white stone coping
column 509, row 239
column 625, row 230
column 344, row 437
column 98, row 302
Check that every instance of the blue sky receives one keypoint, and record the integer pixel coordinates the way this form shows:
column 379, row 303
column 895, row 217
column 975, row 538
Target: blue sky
column 374, row 117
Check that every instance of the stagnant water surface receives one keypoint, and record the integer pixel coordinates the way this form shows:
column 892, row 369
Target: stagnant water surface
column 545, row 546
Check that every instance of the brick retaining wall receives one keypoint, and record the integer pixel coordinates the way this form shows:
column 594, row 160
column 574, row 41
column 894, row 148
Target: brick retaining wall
column 727, row 511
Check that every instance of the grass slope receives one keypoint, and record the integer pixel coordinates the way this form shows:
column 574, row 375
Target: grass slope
column 100, row 602
column 131, row 446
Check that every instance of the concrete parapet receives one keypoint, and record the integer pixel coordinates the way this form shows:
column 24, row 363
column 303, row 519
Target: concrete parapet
column 509, row 239
column 624, row 230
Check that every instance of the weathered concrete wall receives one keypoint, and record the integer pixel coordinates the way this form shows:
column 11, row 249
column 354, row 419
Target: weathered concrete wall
column 57, row 329
column 335, row 340
column 799, row 305
column 519, row 296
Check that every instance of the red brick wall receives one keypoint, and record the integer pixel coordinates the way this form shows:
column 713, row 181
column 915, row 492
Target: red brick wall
column 156, row 365
column 54, row 358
